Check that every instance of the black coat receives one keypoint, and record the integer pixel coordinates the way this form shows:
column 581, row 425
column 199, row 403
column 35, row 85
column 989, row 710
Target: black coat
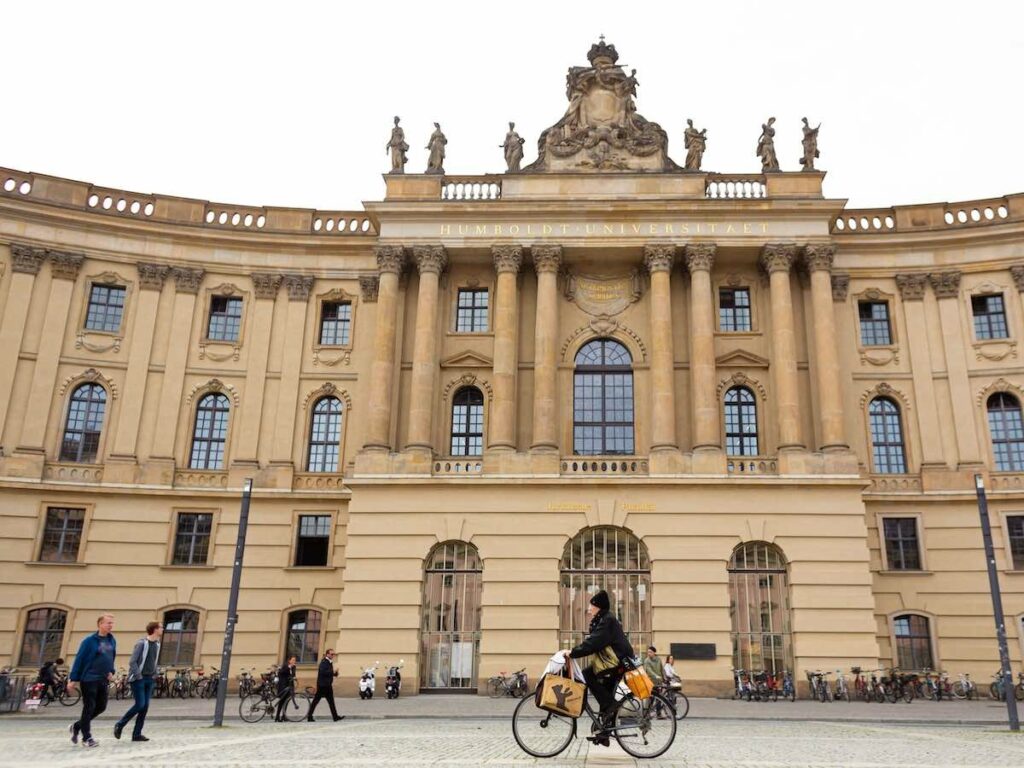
column 325, row 674
column 605, row 630
column 285, row 679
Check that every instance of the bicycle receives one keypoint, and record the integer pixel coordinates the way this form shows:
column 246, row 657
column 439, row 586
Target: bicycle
column 996, row 691
column 514, row 685
column 788, row 688
column 842, row 689
column 256, row 706
column 898, row 686
column 246, row 683
column 635, row 727
column 60, row 693
column 207, row 687
column 964, row 688
column 820, row 689
column 676, row 699
column 742, row 687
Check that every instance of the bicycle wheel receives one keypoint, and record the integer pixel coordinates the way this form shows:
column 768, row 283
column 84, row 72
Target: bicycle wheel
column 1018, row 692
column 253, row 708
column 297, row 708
column 70, row 699
column 494, row 687
column 540, row 733
column 638, row 730
column 682, row 705
column 907, row 693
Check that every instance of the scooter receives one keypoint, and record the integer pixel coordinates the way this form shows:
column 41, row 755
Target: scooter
column 368, row 681
column 393, row 682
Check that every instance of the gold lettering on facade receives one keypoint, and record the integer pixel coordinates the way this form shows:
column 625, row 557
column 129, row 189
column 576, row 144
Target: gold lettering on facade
column 567, row 507
column 446, row 229
column 602, row 229
column 481, row 229
column 639, row 508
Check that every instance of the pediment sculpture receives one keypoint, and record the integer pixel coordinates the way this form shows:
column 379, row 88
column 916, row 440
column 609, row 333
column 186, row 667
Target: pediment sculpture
column 601, row 130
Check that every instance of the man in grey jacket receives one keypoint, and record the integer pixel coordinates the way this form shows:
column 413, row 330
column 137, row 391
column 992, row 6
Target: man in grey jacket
column 141, row 677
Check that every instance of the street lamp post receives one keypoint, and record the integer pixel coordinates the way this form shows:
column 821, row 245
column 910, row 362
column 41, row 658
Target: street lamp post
column 229, row 628
column 997, row 605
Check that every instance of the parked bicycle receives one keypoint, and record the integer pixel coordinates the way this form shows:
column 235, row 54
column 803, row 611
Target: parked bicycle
column 246, row 683
column 743, row 688
column 841, row 690
column 676, row 698
column 964, row 688
column 819, row 686
column 503, row 684
column 996, row 688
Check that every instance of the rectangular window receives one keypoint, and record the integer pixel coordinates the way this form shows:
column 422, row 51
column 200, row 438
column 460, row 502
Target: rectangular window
column 902, row 552
column 989, row 317
column 335, row 322
column 1015, row 530
column 314, row 535
column 225, row 318
column 62, row 535
column 192, row 539
column 875, row 330
column 471, row 316
column 106, row 307
column 734, row 309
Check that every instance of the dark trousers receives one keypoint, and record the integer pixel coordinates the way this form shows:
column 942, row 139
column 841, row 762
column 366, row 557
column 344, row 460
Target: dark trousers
column 603, row 689
column 94, row 702
column 142, row 692
column 323, row 692
column 284, row 701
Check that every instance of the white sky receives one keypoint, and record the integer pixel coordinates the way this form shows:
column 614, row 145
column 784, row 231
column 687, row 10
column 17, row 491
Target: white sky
column 291, row 103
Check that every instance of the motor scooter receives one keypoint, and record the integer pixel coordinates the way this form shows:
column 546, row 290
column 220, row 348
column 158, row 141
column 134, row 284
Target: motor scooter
column 393, row 682
column 368, row 682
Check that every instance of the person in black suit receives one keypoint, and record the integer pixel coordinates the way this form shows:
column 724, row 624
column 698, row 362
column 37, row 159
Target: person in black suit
column 325, row 675
column 285, row 687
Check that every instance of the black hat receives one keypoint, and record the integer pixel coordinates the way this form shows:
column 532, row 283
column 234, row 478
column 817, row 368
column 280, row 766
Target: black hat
column 601, row 600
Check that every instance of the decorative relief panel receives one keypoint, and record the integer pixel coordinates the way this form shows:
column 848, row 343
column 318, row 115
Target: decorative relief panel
column 89, row 375
column 213, row 385
column 467, row 380
column 328, row 390
column 603, row 296
column 606, row 326
column 999, row 385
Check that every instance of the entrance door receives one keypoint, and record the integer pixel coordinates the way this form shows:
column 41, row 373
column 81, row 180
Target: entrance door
column 451, row 618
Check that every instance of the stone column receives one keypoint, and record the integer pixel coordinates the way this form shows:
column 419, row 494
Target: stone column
column 818, row 259
column 501, row 431
column 912, row 288
column 25, row 264
column 546, row 261
column 777, row 260
column 658, row 259
column 151, row 283
column 64, row 268
column 431, row 261
column 707, row 431
column 298, row 288
column 390, row 261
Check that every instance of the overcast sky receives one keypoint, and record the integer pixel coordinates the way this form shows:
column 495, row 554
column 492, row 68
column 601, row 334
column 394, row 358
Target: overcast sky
column 291, row 103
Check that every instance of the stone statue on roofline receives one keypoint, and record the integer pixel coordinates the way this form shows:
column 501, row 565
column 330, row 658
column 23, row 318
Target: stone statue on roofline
column 436, row 144
column 398, row 148
column 694, row 141
column 810, row 143
column 766, row 148
column 513, row 147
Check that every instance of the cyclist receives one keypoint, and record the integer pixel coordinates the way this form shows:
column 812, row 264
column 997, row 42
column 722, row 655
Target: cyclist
column 655, row 671
column 49, row 676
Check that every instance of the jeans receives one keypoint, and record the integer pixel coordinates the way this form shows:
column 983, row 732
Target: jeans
column 142, row 692
column 94, row 702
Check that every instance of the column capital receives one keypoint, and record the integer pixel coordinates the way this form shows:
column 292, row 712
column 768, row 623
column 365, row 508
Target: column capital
column 819, row 256
column 266, row 284
column 946, row 284
column 26, row 258
column 546, row 258
column 369, row 285
column 1018, row 276
column 658, row 257
column 507, row 258
column 187, row 280
column 390, row 258
column 700, row 256
column 778, row 257
column 912, row 286
column 65, row 264
column 298, row 287
column 152, row 276
column 840, row 286
column 430, row 258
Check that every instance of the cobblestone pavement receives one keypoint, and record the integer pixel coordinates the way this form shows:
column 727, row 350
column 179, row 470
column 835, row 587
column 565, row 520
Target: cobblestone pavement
column 488, row 742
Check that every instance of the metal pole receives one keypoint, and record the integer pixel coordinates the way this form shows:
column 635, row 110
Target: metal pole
column 997, row 605
column 229, row 628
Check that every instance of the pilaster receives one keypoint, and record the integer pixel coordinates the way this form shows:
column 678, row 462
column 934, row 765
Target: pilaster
column 547, row 259
column 501, row 429
column 26, row 262
column 431, row 261
column 390, row 263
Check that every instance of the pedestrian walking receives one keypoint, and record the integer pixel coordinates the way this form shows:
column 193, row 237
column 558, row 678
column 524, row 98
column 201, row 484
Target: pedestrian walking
column 285, row 687
column 93, row 670
column 325, row 675
column 142, row 679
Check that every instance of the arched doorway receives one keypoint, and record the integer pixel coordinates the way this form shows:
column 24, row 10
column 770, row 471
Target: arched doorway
column 451, row 617
column 612, row 559
column 759, row 607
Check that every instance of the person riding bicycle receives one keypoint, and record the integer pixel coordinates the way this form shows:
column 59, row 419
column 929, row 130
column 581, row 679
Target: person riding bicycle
column 49, row 676
column 603, row 674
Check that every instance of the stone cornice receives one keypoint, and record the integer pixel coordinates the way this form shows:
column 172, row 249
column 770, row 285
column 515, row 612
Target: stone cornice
column 546, row 258
column 912, row 285
column 266, row 284
column 390, row 258
column 778, row 257
column 658, row 257
column 27, row 259
column 700, row 256
column 430, row 258
column 507, row 258
column 946, row 284
column 152, row 276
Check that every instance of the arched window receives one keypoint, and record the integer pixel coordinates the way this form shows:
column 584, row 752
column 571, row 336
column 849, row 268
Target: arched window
column 886, row 437
column 759, row 608
column 612, row 559
column 85, row 422
column 740, row 422
column 181, row 633
column 468, row 422
column 913, row 642
column 304, row 636
column 603, row 400
column 210, row 432
column 1007, row 430
column 43, row 637
column 325, row 436
column 453, row 580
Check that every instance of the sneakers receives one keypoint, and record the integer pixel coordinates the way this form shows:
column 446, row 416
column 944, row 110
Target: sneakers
column 90, row 742
column 73, row 730
column 140, row 737
column 118, row 727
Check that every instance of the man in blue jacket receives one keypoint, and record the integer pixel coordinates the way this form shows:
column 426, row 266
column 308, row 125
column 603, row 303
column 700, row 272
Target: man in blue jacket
column 93, row 670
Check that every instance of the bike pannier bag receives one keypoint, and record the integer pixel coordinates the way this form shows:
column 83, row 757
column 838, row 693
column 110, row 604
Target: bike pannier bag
column 561, row 695
column 640, row 683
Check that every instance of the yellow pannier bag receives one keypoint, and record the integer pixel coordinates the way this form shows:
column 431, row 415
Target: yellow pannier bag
column 640, row 683
column 561, row 695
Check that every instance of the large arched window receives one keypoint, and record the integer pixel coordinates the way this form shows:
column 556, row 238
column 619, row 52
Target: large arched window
column 759, row 608
column 886, row 437
column 181, row 635
column 615, row 560
column 210, row 433
column 325, row 436
column 1007, row 430
column 85, row 422
column 453, row 580
column 43, row 636
column 913, row 637
column 304, row 636
column 740, row 422
column 468, row 422
column 603, row 400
